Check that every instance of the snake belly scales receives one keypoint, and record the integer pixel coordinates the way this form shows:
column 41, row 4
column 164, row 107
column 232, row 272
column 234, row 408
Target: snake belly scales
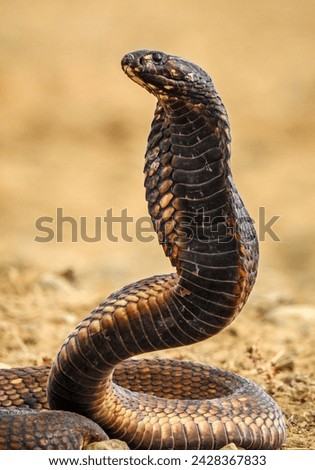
column 94, row 388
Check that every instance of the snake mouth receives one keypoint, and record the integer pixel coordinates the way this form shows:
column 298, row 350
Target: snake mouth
column 133, row 69
column 130, row 72
column 156, row 84
column 146, row 80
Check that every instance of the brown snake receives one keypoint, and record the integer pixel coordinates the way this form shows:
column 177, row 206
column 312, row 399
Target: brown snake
column 206, row 232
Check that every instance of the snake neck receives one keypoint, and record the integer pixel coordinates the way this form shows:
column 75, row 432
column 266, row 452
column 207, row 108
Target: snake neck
column 200, row 219
column 187, row 175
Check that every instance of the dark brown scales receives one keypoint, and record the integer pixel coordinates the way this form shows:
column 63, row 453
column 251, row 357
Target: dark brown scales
column 206, row 232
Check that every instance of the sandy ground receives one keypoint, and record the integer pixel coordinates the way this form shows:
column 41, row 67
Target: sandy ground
column 72, row 136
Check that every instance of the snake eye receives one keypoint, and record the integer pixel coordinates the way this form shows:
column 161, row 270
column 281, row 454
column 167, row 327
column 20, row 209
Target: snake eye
column 157, row 57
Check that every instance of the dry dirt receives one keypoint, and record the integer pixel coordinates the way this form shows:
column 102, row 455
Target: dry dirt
column 72, row 136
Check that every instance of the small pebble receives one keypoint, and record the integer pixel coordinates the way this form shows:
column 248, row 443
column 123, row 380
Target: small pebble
column 111, row 444
column 231, row 446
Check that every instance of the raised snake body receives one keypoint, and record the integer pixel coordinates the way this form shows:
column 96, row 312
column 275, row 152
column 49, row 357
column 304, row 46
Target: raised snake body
column 206, row 232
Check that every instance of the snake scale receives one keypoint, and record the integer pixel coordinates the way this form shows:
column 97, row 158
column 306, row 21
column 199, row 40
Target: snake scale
column 94, row 387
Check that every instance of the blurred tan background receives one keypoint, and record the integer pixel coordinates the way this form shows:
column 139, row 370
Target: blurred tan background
column 73, row 128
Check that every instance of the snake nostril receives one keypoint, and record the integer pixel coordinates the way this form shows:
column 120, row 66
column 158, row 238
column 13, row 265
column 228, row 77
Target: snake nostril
column 127, row 60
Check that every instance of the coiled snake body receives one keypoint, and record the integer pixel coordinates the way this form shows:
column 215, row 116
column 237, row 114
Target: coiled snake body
column 206, row 232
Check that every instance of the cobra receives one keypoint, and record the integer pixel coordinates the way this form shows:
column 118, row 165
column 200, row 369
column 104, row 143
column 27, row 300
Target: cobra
column 94, row 388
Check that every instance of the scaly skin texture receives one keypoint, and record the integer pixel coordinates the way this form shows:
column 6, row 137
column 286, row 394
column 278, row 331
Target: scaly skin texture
column 205, row 230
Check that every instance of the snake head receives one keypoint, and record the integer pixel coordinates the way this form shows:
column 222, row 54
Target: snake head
column 167, row 76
